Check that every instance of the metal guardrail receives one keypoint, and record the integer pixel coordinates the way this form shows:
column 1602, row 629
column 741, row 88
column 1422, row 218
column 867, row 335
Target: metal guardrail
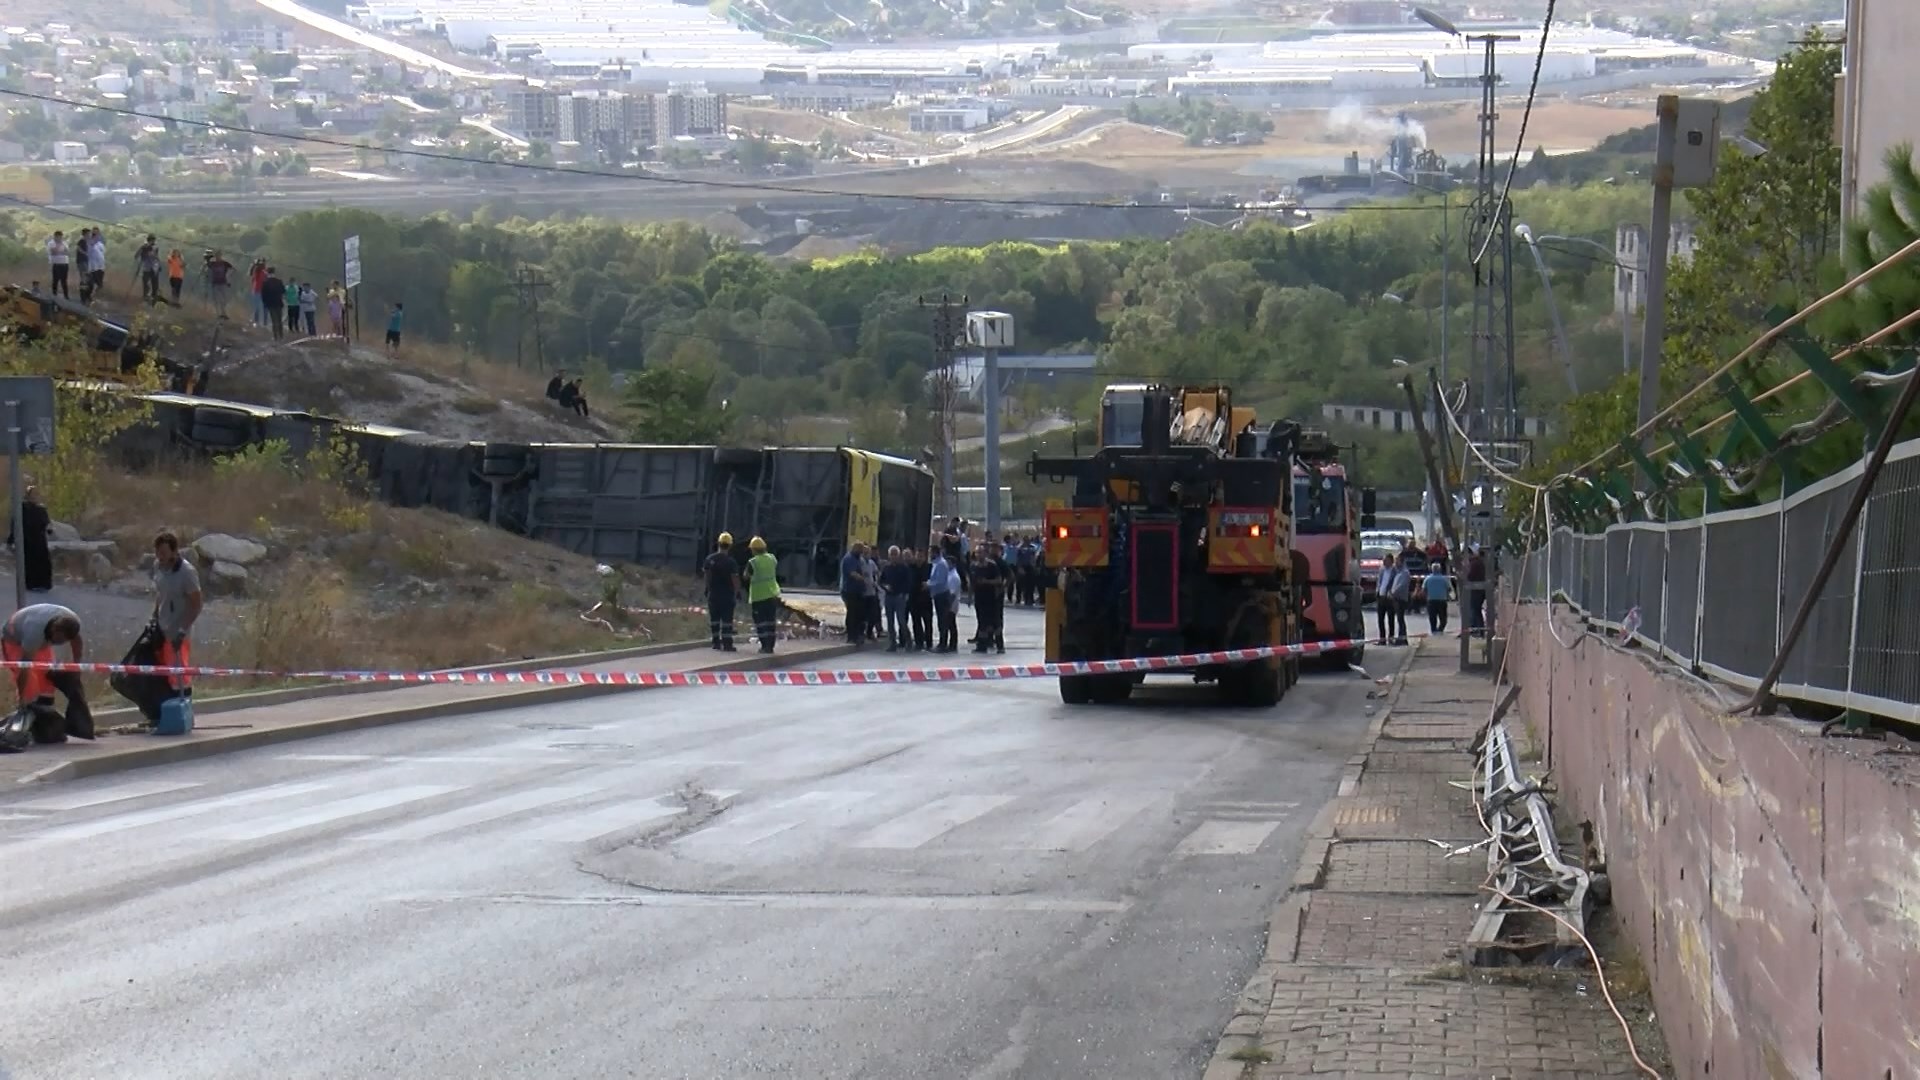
column 1716, row 593
column 1523, row 860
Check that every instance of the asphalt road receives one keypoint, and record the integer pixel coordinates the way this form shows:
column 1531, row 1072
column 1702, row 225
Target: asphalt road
column 917, row 881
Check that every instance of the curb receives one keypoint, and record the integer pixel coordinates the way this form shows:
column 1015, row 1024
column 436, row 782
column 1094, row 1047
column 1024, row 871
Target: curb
column 1320, row 835
column 173, row 752
column 254, row 699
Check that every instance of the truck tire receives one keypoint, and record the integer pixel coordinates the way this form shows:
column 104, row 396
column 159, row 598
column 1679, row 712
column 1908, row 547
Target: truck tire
column 1112, row 689
column 1076, row 689
column 1258, row 685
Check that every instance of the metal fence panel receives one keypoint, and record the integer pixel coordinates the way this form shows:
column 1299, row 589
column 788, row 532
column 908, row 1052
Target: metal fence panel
column 1646, row 574
column 1743, row 585
column 1820, row 656
column 1681, row 614
column 1886, row 650
column 1593, row 574
column 1619, row 583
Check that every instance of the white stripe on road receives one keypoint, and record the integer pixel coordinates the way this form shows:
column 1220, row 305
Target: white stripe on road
column 1226, row 838
column 624, row 815
column 757, row 825
column 96, row 796
column 324, row 813
column 1082, row 825
column 195, row 808
column 940, row 816
column 481, row 813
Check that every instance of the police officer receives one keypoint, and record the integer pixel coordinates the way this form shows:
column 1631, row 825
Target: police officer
column 763, row 591
column 723, row 587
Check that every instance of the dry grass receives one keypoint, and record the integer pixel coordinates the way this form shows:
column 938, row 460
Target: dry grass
column 352, row 584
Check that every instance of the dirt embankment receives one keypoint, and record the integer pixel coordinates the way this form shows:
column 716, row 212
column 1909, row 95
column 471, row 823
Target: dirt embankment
column 364, row 384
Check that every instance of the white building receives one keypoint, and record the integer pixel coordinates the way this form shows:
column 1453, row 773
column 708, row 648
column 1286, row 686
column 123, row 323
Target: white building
column 1878, row 86
column 948, row 118
column 70, row 152
column 1630, row 249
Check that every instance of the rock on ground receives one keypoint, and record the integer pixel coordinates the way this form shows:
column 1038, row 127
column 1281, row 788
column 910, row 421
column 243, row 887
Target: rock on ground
column 221, row 548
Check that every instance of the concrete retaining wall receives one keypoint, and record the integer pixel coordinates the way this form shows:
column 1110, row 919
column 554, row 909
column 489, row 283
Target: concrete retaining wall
column 1770, row 878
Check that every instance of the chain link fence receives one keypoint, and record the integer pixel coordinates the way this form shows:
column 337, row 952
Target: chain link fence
column 1717, row 594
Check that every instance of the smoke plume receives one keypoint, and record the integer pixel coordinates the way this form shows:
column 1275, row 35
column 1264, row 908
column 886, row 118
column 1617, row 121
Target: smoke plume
column 1350, row 118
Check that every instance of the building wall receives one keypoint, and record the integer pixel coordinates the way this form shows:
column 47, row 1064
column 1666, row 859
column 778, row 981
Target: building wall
column 1767, row 876
column 1882, row 80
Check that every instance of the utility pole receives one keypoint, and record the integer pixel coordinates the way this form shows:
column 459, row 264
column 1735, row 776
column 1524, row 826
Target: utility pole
column 1659, row 238
column 948, row 328
column 528, row 283
column 1490, row 252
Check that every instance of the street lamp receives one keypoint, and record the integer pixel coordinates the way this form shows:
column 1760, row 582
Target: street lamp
column 1436, row 20
column 1606, row 256
column 1553, row 307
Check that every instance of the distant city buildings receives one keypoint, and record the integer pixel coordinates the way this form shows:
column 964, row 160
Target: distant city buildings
column 613, row 120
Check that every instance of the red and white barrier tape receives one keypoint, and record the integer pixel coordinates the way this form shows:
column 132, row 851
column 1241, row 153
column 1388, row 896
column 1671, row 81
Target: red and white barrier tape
column 827, row 677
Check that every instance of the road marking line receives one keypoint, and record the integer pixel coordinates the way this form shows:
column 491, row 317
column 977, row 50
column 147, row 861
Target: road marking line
column 328, row 812
column 1082, row 825
column 796, row 901
column 119, row 822
column 754, row 826
column 940, row 816
column 1226, row 838
column 621, row 815
column 481, row 813
column 79, row 800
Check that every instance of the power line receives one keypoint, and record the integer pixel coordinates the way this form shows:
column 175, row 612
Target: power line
column 670, row 181
column 1526, row 115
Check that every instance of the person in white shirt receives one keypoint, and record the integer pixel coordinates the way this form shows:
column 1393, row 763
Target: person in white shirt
column 97, row 262
column 59, row 262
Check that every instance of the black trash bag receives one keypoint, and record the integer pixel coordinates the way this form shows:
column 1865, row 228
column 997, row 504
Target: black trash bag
column 146, row 692
column 16, row 731
column 79, row 718
column 48, row 725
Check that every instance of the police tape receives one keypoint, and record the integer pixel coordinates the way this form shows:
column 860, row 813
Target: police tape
column 809, row 677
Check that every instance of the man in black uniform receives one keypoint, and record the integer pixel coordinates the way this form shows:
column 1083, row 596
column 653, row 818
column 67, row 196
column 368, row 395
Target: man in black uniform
column 723, row 586
column 989, row 598
column 920, row 607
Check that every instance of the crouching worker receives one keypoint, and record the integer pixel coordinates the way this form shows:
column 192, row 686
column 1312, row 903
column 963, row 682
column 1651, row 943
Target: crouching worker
column 32, row 634
column 763, row 592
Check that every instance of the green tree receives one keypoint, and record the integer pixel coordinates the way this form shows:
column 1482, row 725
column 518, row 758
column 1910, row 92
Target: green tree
column 675, row 403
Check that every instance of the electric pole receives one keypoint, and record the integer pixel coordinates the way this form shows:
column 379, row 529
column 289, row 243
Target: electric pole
column 949, row 325
column 527, row 283
column 1490, row 251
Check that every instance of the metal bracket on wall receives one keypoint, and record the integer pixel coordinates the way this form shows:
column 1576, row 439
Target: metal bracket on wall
column 1696, row 458
column 1748, row 420
column 1831, row 375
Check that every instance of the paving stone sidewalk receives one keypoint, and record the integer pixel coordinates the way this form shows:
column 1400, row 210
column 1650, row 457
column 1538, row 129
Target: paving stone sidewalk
column 1362, row 976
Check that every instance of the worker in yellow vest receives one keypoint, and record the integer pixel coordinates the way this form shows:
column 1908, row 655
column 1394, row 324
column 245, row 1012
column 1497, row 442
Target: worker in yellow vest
column 763, row 591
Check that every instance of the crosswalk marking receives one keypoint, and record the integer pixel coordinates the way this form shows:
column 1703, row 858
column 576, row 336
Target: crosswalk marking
column 195, row 808
column 754, row 826
column 327, row 812
column 80, row 800
column 912, row 829
column 1082, row 825
column 1226, row 838
column 481, row 813
column 621, row 815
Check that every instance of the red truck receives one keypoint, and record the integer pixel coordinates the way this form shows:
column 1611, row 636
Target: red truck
column 1328, row 514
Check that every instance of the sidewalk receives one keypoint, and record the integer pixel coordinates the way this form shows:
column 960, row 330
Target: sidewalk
column 223, row 730
column 1362, row 975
